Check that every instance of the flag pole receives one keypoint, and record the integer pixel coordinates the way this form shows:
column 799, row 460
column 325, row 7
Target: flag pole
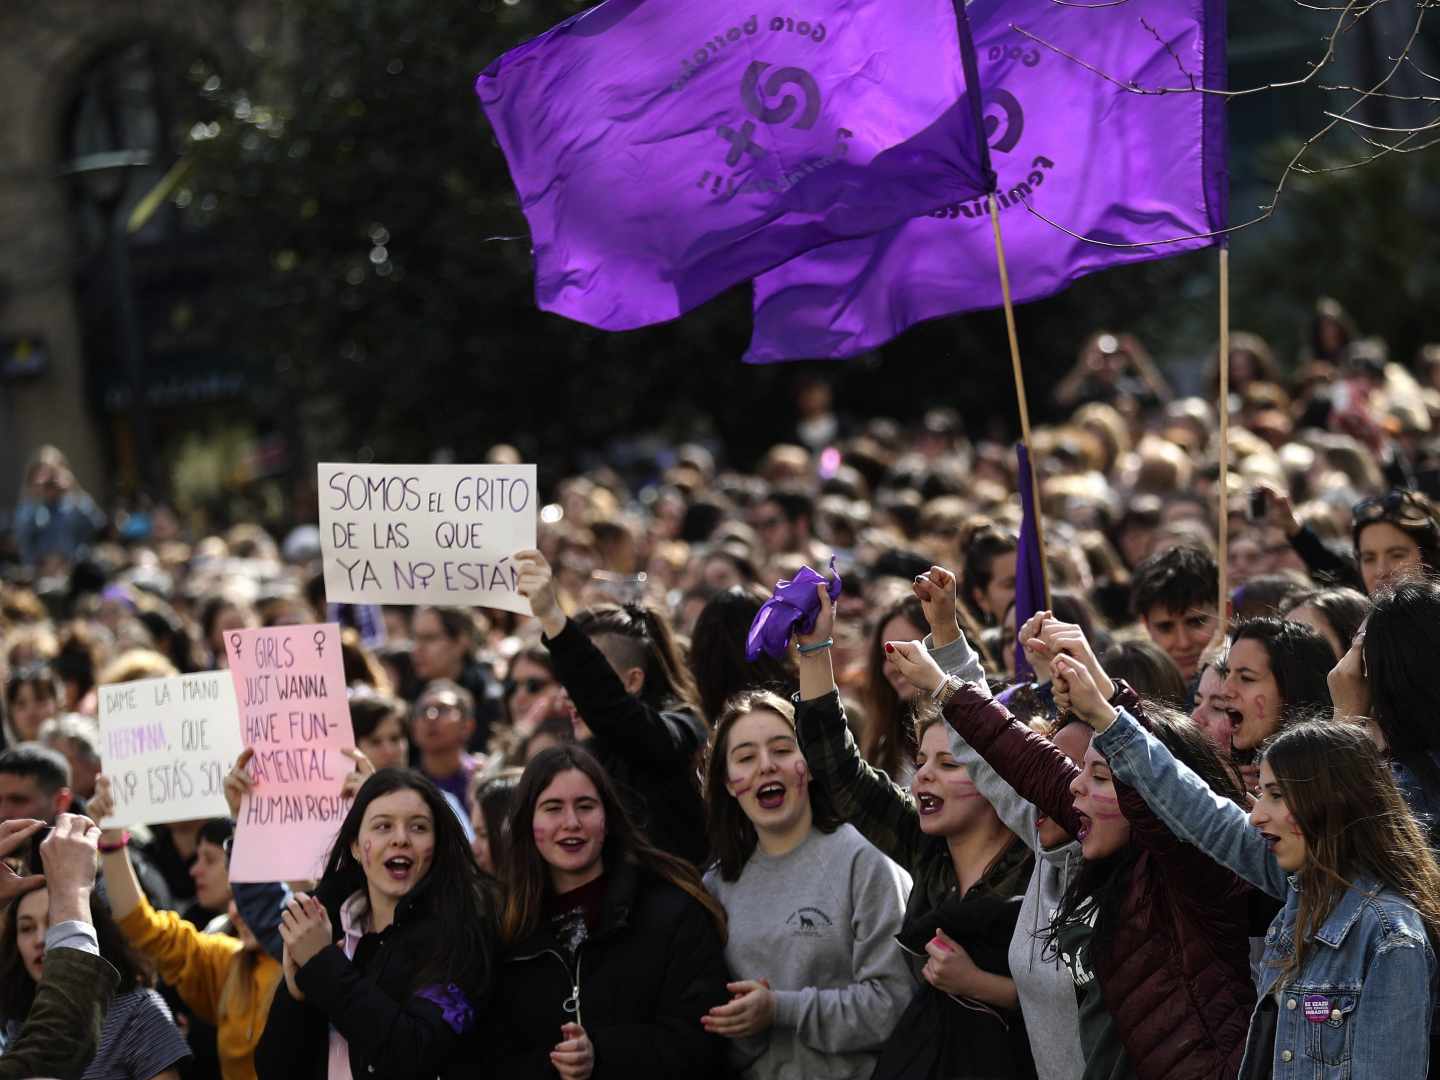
column 1020, row 392
column 1224, row 556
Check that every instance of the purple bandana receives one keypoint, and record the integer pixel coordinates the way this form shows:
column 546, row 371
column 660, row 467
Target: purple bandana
column 794, row 608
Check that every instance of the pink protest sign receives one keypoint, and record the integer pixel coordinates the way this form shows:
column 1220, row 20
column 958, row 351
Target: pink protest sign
column 290, row 688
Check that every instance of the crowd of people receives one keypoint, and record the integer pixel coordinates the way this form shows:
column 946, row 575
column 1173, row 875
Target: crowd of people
column 1144, row 832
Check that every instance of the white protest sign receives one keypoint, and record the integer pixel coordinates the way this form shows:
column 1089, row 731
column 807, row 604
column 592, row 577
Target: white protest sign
column 426, row 534
column 166, row 745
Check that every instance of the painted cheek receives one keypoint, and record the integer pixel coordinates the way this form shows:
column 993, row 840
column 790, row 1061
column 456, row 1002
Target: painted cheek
column 741, row 785
column 1103, row 806
column 800, row 769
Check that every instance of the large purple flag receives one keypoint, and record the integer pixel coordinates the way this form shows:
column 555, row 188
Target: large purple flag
column 1103, row 162
column 1029, row 563
column 665, row 150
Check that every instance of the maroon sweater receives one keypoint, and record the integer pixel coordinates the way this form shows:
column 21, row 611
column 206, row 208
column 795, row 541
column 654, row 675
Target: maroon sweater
column 1176, row 974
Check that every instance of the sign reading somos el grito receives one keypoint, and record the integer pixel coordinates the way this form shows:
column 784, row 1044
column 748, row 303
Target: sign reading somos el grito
column 426, row 534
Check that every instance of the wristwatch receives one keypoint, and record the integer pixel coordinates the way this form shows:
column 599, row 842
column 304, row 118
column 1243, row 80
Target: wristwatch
column 947, row 689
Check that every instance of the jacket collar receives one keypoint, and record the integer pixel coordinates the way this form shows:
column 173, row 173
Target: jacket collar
column 1347, row 911
column 622, row 884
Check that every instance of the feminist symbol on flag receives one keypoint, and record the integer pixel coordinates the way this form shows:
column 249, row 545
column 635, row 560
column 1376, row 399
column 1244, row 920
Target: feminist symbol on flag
column 742, row 142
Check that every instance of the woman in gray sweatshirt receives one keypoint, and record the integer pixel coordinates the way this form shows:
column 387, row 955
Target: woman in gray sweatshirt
column 813, row 909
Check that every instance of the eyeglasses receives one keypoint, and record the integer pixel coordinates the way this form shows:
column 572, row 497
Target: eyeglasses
column 1397, row 505
column 530, row 686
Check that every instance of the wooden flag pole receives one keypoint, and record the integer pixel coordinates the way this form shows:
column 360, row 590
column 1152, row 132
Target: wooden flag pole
column 1020, row 392
column 1224, row 556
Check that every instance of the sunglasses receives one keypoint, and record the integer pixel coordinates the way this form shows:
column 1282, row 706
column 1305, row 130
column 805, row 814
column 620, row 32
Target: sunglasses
column 530, row 686
column 1393, row 506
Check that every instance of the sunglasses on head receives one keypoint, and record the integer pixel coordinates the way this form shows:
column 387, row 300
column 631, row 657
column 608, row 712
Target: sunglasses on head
column 530, row 686
column 1397, row 505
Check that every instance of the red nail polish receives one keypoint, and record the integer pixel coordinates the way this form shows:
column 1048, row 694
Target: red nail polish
column 889, row 647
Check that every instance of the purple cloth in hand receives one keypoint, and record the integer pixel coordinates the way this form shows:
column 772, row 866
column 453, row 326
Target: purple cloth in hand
column 793, row 609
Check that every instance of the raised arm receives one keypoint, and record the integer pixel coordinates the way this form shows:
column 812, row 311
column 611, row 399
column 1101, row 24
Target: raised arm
column 1182, row 801
column 862, row 794
column 954, row 654
column 645, row 736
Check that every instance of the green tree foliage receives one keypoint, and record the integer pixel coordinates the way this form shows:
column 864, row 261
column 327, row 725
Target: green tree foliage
column 360, row 189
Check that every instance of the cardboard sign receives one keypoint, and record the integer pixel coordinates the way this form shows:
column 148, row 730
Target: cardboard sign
column 290, row 688
column 166, row 745
column 426, row 534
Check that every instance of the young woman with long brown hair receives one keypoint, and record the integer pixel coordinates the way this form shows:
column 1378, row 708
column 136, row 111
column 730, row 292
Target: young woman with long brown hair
column 612, row 948
column 813, row 908
column 1349, row 972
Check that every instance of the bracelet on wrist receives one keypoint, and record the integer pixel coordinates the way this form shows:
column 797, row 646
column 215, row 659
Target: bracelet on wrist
column 116, row 845
column 806, row 650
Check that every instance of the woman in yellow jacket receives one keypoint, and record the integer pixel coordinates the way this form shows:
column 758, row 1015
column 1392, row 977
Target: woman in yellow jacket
column 226, row 981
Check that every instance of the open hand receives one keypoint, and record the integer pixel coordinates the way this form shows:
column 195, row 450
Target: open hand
column 305, row 928
column 750, row 1010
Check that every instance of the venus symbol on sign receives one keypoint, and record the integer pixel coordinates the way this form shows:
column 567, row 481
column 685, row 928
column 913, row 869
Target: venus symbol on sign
column 235, row 644
column 320, row 643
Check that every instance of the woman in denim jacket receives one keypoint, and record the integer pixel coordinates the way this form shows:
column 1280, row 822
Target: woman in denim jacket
column 1349, row 972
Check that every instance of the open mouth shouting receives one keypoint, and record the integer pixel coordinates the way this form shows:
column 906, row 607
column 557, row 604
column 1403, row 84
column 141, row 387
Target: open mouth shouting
column 400, row 867
column 1270, row 840
column 1084, row 830
column 771, row 796
column 929, row 804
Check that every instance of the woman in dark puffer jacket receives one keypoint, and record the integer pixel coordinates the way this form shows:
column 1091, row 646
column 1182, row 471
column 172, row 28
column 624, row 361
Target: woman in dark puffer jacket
column 1155, row 934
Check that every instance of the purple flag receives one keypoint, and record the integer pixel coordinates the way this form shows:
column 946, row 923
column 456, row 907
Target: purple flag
column 793, row 608
column 1105, row 163
column 667, row 150
column 1029, row 564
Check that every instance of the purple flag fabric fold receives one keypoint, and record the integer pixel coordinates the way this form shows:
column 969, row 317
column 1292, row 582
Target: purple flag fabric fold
column 1029, row 564
column 665, row 150
column 793, row 608
column 1106, row 163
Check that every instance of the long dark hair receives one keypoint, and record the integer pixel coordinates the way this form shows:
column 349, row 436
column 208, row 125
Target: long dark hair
column 651, row 645
column 1098, row 891
column 717, row 651
column 1402, row 640
column 527, row 875
column 17, row 989
column 1344, row 609
column 732, row 835
column 888, row 739
column 1300, row 661
column 451, row 896
column 1355, row 822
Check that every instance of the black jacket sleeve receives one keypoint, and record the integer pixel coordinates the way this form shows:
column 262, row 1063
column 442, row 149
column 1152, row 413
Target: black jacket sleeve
column 414, row 1038
column 650, row 740
column 294, row 1042
column 1326, row 566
